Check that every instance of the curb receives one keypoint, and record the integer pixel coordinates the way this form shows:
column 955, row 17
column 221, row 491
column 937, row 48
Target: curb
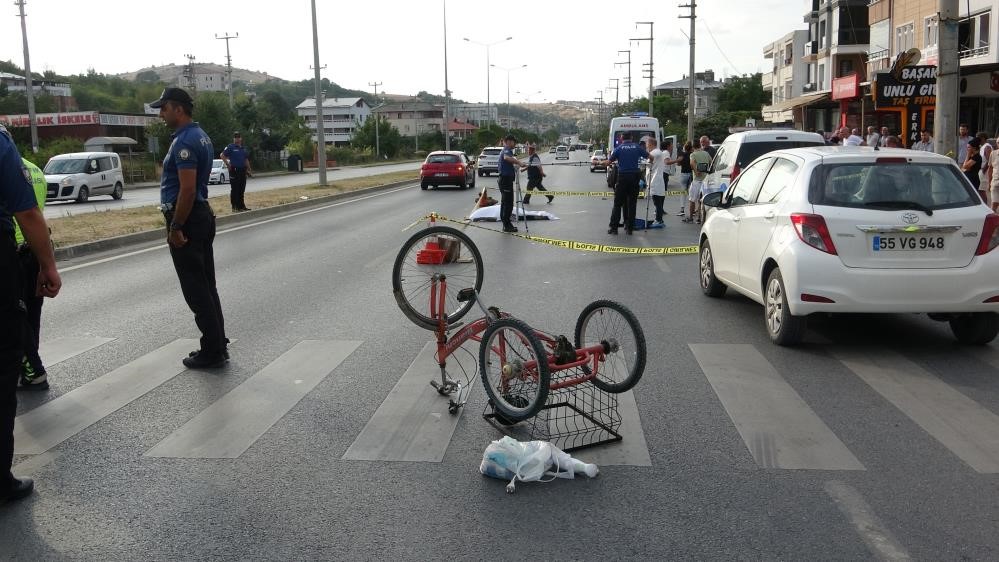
column 118, row 242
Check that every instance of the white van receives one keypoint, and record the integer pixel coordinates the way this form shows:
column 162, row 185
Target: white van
column 638, row 126
column 561, row 152
column 77, row 176
column 739, row 149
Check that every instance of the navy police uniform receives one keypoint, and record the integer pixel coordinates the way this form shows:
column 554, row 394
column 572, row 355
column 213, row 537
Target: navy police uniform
column 507, row 173
column 627, row 155
column 16, row 195
column 237, row 157
column 195, row 261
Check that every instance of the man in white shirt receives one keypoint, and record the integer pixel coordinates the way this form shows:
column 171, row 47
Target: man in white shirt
column 849, row 138
column 925, row 143
column 873, row 138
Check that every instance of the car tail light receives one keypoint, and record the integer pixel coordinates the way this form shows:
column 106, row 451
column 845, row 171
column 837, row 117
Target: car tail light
column 990, row 235
column 735, row 172
column 891, row 160
column 812, row 230
column 992, row 299
column 461, row 168
column 806, row 297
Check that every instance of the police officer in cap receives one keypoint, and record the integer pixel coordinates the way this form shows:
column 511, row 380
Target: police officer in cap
column 191, row 224
column 627, row 155
column 238, row 162
column 508, row 164
column 17, row 200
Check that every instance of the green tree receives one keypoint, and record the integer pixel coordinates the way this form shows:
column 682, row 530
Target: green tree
column 743, row 93
column 212, row 112
column 389, row 139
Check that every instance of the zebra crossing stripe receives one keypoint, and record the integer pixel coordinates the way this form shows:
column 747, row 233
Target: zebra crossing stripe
column 959, row 423
column 779, row 428
column 412, row 423
column 55, row 421
column 60, row 349
column 227, row 428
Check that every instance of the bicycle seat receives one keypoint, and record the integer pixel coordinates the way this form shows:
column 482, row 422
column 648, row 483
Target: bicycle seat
column 466, row 295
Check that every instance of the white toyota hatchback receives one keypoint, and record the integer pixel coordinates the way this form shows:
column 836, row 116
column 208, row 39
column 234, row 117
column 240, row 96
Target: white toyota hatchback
column 854, row 230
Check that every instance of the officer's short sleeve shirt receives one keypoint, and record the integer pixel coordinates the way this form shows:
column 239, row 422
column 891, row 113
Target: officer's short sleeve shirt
column 236, row 155
column 191, row 149
column 506, row 168
column 627, row 155
column 16, row 193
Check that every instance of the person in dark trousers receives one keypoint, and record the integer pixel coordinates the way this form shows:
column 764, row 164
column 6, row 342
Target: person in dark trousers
column 238, row 162
column 686, row 173
column 17, row 201
column 191, row 224
column 535, row 173
column 33, row 375
column 508, row 164
column 627, row 156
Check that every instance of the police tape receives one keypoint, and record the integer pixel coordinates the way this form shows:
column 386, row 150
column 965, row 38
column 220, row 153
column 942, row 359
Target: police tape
column 572, row 244
column 547, row 193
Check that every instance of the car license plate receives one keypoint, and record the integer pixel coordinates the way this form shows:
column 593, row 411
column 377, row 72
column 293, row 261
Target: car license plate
column 907, row 243
column 441, row 174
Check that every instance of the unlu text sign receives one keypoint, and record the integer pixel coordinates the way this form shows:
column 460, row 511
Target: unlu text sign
column 912, row 86
column 52, row 119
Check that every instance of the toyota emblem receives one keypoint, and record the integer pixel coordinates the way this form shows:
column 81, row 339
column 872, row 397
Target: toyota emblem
column 910, row 218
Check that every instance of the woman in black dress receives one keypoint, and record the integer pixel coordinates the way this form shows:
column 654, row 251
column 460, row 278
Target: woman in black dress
column 973, row 165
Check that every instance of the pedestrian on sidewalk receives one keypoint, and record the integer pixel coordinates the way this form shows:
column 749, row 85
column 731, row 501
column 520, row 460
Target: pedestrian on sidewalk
column 686, row 175
column 535, row 173
column 700, row 160
column 191, row 224
column 627, row 156
column 508, row 164
column 17, row 201
column 33, row 375
column 238, row 162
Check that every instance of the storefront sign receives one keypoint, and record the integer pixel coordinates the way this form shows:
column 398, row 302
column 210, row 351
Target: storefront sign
column 845, row 88
column 127, row 120
column 911, row 85
column 52, row 119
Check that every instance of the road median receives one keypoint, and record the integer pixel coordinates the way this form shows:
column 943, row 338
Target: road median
column 89, row 233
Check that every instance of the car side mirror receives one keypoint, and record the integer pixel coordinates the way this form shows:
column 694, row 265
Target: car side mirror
column 713, row 199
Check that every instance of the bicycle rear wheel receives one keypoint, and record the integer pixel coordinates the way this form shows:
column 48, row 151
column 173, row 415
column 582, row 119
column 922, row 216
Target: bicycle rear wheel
column 616, row 327
column 438, row 250
column 514, row 369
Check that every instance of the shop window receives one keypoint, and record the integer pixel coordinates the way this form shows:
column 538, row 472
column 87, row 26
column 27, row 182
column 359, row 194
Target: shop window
column 903, row 38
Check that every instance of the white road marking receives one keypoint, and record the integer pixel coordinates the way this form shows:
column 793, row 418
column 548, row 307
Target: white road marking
column 779, row 428
column 959, row 423
column 234, row 422
column 61, row 349
column 413, row 422
column 52, row 423
column 878, row 538
column 235, row 228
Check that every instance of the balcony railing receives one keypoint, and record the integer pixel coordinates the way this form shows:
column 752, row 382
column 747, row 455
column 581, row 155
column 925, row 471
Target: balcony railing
column 970, row 53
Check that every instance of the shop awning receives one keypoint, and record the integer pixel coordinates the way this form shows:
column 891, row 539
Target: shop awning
column 101, row 144
column 796, row 102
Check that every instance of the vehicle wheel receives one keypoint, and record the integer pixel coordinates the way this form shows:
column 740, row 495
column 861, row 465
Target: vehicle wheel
column 411, row 280
column 784, row 329
column 710, row 284
column 472, row 185
column 83, row 195
column 514, row 369
column 616, row 327
column 423, row 186
column 978, row 328
column 119, row 191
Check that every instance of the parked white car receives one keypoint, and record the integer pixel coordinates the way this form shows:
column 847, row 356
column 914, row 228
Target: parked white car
column 488, row 161
column 78, row 175
column 561, row 152
column 854, row 230
column 219, row 173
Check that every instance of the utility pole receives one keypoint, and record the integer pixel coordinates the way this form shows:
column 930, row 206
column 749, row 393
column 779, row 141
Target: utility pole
column 447, row 92
column 617, row 91
column 228, row 62
column 192, row 81
column 320, row 133
column 690, row 89
column 651, row 45
column 489, row 105
column 30, row 91
column 378, row 149
column 628, row 80
column 948, row 80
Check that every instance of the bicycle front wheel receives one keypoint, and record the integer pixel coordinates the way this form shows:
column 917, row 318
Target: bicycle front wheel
column 514, row 369
column 436, row 251
column 613, row 325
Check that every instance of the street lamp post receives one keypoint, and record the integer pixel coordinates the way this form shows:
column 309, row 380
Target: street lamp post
column 508, row 71
column 488, row 72
column 320, row 133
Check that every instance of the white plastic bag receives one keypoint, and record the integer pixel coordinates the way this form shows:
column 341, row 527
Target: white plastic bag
column 530, row 461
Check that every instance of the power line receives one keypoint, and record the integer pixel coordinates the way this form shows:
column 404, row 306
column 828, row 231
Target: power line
column 715, row 41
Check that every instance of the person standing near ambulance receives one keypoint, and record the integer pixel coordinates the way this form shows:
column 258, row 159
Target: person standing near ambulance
column 627, row 156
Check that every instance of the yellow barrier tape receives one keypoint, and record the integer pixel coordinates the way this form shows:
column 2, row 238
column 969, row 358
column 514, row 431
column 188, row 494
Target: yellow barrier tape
column 672, row 193
column 574, row 245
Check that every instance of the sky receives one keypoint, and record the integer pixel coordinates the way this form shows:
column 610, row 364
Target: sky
column 570, row 47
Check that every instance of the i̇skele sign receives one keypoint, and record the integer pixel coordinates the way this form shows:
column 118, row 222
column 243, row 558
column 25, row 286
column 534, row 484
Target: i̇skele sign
column 52, row 119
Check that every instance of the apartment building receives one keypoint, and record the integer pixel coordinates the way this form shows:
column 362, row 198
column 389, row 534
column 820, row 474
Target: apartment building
column 412, row 118
column 786, row 80
column 341, row 117
column 706, row 90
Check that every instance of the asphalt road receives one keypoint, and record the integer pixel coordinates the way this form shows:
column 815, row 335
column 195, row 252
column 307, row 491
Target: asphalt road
column 871, row 441
column 145, row 196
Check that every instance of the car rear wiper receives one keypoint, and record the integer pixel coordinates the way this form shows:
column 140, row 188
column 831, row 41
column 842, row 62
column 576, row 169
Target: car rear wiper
column 901, row 205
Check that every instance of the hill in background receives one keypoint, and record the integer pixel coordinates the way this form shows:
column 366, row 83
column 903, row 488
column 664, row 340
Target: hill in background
column 172, row 73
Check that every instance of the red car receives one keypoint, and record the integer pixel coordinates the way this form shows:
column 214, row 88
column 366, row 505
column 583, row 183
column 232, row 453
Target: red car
column 447, row 168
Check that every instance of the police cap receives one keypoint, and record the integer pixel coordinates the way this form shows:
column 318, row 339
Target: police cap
column 177, row 95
